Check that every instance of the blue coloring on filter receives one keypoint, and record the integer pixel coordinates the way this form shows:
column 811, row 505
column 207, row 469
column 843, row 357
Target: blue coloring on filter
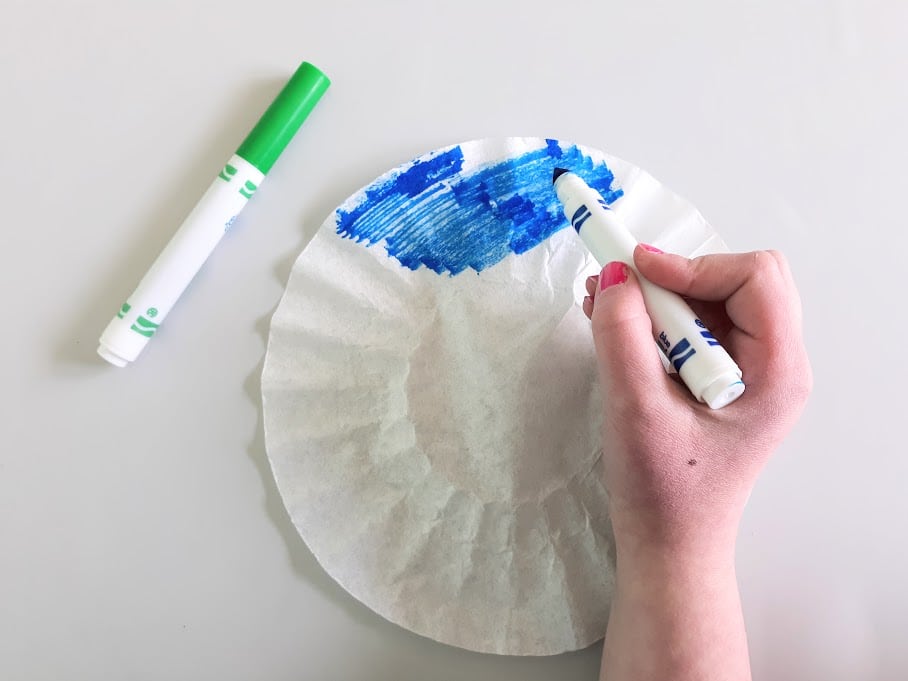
column 434, row 215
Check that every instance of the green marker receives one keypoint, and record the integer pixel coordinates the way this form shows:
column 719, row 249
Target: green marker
column 142, row 313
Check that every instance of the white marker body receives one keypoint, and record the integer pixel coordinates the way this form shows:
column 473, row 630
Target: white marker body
column 163, row 284
column 705, row 367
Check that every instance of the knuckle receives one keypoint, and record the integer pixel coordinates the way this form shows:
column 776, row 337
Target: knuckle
column 779, row 257
column 696, row 269
column 618, row 310
column 764, row 263
column 621, row 328
column 770, row 265
column 601, row 324
column 793, row 378
column 783, row 266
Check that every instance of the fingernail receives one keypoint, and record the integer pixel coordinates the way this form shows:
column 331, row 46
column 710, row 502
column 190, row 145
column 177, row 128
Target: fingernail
column 613, row 273
column 651, row 249
column 590, row 279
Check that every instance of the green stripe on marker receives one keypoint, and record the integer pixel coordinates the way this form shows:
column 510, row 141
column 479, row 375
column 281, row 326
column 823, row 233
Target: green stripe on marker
column 248, row 189
column 148, row 333
column 227, row 173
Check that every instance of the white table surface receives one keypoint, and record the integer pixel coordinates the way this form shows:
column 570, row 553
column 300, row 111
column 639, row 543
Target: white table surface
column 141, row 534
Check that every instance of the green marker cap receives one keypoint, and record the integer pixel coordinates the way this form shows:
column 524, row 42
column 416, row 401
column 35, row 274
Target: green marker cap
column 279, row 123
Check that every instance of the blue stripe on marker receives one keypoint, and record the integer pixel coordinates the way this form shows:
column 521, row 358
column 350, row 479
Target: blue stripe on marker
column 677, row 355
column 577, row 213
column 680, row 347
column 490, row 212
column 581, row 215
column 679, row 361
column 579, row 223
column 710, row 339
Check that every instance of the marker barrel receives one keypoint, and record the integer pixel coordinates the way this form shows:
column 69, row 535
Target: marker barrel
column 182, row 258
column 158, row 291
column 702, row 363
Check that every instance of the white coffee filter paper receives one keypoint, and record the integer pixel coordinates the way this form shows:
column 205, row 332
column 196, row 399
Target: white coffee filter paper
column 431, row 406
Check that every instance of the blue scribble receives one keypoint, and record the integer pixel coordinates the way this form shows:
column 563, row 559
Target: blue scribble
column 432, row 215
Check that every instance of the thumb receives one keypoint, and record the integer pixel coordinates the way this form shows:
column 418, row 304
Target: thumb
column 628, row 359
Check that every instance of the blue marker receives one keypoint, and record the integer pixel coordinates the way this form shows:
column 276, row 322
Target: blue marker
column 702, row 363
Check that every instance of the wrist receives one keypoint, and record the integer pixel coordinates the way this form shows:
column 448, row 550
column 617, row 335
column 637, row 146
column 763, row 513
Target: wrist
column 677, row 552
column 649, row 561
column 690, row 534
column 677, row 606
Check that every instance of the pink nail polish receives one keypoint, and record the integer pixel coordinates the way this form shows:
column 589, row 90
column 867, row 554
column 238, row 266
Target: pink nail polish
column 651, row 249
column 613, row 273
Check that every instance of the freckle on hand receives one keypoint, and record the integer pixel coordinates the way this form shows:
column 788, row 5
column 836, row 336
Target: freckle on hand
column 691, row 462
